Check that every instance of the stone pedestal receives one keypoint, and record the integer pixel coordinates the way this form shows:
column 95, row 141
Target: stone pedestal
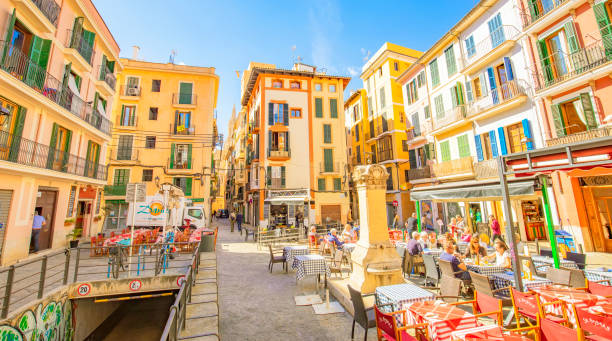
column 375, row 261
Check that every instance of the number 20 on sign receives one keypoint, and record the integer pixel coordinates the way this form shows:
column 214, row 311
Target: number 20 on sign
column 135, row 285
column 84, row 289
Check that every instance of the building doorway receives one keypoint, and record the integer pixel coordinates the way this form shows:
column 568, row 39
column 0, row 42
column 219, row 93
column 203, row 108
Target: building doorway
column 83, row 216
column 45, row 205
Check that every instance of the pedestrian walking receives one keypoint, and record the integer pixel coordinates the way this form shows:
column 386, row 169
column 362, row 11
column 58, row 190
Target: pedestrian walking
column 396, row 221
column 232, row 221
column 412, row 224
column 239, row 222
column 495, row 228
column 37, row 223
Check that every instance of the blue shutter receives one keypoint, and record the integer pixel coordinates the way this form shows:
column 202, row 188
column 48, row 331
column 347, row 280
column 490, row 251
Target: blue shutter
column 502, row 140
column 508, row 67
column 527, row 133
column 478, row 147
column 493, row 143
column 492, row 85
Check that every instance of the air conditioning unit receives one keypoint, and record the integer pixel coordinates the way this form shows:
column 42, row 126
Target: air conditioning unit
column 132, row 91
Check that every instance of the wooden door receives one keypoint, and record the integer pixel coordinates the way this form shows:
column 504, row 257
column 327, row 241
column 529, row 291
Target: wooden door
column 46, row 204
column 594, row 220
column 331, row 211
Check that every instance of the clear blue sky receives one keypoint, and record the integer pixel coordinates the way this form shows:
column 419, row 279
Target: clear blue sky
column 227, row 34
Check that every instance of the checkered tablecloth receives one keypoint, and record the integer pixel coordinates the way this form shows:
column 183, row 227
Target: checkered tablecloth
column 570, row 297
column 442, row 319
column 291, row 251
column 542, row 263
column 598, row 275
column 310, row 265
column 348, row 247
column 434, row 252
column 401, row 296
column 502, row 280
column 486, row 270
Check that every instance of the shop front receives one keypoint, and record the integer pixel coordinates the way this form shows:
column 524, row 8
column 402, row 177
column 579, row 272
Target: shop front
column 286, row 208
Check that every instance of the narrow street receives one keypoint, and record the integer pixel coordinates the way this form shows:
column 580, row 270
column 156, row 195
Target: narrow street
column 258, row 305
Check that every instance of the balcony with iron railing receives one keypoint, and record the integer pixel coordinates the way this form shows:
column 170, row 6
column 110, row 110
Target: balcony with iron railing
column 279, row 153
column 254, row 183
column 130, row 91
column 381, row 127
column 182, row 130
column 504, row 97
column 416, row 133
column 385, row 155
column 330, row 167
column 451, row 116
column 580, row 136
column 125, row 154
column 275, row 183
column 20, row 66
column 460, row 167
column 22, row 151
column 108, row 77
column 560, row 67
column 540, row 9
column 183, row 99
column 76, row 41
column 178, row 164
column 42, row 14
column 500, row 41
column 420, row 173
column 486, row 169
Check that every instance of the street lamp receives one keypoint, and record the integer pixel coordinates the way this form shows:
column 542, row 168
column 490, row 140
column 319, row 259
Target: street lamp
column 157, row 181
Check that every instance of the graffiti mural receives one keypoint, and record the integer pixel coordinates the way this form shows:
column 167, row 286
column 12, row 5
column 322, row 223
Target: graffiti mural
column 50, row 321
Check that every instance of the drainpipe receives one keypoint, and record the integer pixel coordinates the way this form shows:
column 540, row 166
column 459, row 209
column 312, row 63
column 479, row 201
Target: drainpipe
column 549, row 223
column 418, row 212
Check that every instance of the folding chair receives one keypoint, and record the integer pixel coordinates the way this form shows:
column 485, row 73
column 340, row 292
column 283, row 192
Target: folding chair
column 599, row 289
column 386, row 326
column 552, row 331
column 592, row 326
column 431, row 270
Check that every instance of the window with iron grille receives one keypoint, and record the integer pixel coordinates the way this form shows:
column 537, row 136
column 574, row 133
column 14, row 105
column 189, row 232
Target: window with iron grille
column 122, row 177
column 150, row 142
column 124, row 151
column 147, row 175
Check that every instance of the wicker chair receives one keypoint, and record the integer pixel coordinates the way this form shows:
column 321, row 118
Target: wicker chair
column 336, row 263
column 450, row 289
column 559, row 276
column 431, row 269
column 361, row 315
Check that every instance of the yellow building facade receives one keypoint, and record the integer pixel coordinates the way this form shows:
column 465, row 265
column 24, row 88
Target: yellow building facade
column 384, row 124
column 163, row 133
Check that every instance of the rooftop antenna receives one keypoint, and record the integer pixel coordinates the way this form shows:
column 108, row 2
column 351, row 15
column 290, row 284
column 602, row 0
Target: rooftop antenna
column 172, row 55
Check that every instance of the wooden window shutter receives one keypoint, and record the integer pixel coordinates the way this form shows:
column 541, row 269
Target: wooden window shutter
column 283, row 176
column 464, row 146
column 478, row 144
column 333, row 107
column 570, row 35
column 337, row 184
column 326, row 133
column 328, row 158
column 269, row 175
column 9, row 34
column 502, row 140
column 17, row 132
column 603, row 21
column 271, row 114
column 546, row 64
column 321, row 184
column 318, row 107
column 445, row 151
column 527, row 133
column 468, row 91
column 558, row 119
column 52, row 146
column 66, row 149
column 493, row 143
column 188, row 185
column 287, row 142
column 589, row 112
column 508, row 67
column 189, row 156
column 172, row 146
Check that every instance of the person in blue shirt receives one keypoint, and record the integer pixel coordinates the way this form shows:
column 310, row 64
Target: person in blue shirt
column 458, row 265
column 333, row 237
column 37, row 223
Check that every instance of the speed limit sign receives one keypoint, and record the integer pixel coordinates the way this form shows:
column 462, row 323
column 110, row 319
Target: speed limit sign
column 395, row 203
column 84, row 289
column 135, row 285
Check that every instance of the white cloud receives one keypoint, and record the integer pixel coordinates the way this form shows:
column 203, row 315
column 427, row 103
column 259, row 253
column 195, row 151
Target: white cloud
column 352, row 71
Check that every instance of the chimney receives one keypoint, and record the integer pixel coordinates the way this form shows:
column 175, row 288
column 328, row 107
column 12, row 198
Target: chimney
column 135, row 51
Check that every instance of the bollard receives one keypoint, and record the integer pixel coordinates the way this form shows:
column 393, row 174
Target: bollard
column 66, row 265
column 76, row 264
column 7, row 292
column 43, row 274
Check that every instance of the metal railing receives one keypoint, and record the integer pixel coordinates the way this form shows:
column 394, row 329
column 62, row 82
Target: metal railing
column 184, row 99
column 495, row 39
column 179, row 164
column 451, row 116
column 129, row 121
column 560, row 66
column 49, row 8
column 420, row 173
column 529, row 16
column 333, row 167
column 20, row 66
column 381, row 126
column 128, row 154
column 503, row 93
column 385, row 155
column 26, row 152
column 75, row 40
column 279, row 153
column 130, row 90
column 181, row 130
column 107, row 76
column 581, row 136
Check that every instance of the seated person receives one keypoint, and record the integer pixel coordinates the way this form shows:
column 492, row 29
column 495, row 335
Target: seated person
column 423, row 239
column 432, row 241
column 347, row 234
column 333, row 238
column 474, row 248
column 312, row 236
column 458, row 265
column 450, row 239
column 502, row 255
column 414, row 246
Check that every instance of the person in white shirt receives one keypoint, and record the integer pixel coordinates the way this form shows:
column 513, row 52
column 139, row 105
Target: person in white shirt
column 423, row 240
column 502, row 255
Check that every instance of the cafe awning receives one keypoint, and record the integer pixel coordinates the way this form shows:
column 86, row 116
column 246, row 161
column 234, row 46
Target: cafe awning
column 472, row 190
column 286, row 200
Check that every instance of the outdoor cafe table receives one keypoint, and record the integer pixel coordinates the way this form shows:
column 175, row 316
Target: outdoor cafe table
column 598, row 275
column 570, row 297
column 484, row 269
column 401, row 296
column 542, row 263
column 291, row 251
column 121, row 239
column 310, row 265
column 506, row 279
column 442, row 318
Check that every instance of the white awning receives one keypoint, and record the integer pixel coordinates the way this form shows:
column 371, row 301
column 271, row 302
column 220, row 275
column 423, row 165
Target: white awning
column 287, row 200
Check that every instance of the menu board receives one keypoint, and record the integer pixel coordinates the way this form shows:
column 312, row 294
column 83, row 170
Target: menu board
column 71, row 201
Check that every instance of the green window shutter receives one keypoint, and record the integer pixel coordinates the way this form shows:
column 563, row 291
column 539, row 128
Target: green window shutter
column 435, row 76
column 88, row 164
column 546, row 64
column 66, row 75
column 460, row 98
column 103, row 67
column 451, row 65
column 603, row 21
column 416, row 91
column 468, row 92
column 321, row 184
column 189, row 156
column 111, row 66
column 39, row 57
column 96, row 161
column 427, row 111
column 185, row 92
column 95, row 102
column 9, row 34
column 337, row 184
column 17, row 131
column 570, row 34
column 327, row 133
column 52, row 146
column 558, row 119
column 66, row 149
column 328, row 158
column 445, row 151
column 464, row 146
column 534, row 10
column 454, row 99
column 188, row 183
column 589, row 113
column 269, row 175
column 333, row 107
column 286, row 114
column 283, row 176
column 89, row 37
column 271, row 114
column 318, row 107
column 439, row 106
column 172, row 146
column 121, row 119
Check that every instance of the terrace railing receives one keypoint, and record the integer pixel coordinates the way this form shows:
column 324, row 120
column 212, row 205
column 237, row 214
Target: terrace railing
column 77, row 41
column 501, row 94
column 495, row 39
column 49, row 8
column 107, row 76
column 538, row 10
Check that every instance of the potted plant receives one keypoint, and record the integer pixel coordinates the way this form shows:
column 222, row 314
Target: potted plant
column 68, row 221
column 97, row 218
column 74, row 235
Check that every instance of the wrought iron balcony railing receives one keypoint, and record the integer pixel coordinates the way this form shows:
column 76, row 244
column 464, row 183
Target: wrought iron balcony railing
column 279, row 153
column 26, row 152
column 385, row 155
column 184, row 99
column 127, row 154
column 181, row 130
column 332, row 167
column 495, row 39
column 77, row 41
column 450, row 116
column 420, row 173
column 20, row 66
column 538, row 10
column 130, row 90
column 107, row 76
column 503, row 93
column 49, row 8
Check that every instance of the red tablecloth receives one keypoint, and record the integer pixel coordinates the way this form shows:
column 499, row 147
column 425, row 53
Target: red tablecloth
column 569, row 296
column 197, row 234
column 113, row 240
column 443, row 319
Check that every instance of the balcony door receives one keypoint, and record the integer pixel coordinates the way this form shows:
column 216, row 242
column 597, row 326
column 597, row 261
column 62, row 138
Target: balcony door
column 6, row 126
column 59, row 147
column 182, row 122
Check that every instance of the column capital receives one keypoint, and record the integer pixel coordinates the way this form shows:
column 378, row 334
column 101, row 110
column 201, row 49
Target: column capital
column 370, row 176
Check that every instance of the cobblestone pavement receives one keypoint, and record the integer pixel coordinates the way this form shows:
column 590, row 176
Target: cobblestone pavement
column 258, row 305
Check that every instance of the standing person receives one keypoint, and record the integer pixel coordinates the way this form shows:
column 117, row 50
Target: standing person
column 232, row 220
column 239, row 222
column 37, row 223
column 396, row 220
column 214, row 214
column 495, row 228
column 412, row 224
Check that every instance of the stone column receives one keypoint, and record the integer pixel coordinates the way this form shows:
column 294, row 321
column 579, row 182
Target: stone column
column 375, row 261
